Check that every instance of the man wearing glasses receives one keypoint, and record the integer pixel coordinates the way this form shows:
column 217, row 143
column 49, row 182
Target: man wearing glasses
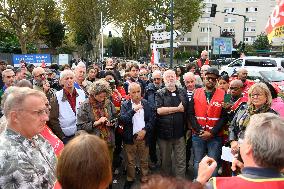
column 150, row 96
column 27, row 159
column 39, row 76
column 207, row 118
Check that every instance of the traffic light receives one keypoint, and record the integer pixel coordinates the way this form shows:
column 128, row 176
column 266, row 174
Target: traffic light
column 213, row 10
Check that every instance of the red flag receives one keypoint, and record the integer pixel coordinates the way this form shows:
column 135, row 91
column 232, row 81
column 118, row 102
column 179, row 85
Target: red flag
column 153, row 57
column 43, row 64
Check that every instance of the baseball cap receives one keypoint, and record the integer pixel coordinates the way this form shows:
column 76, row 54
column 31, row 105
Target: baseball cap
column 213, row 71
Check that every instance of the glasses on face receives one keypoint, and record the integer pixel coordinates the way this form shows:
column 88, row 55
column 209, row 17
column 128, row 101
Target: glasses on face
column 234, row 88
column 40, row 75
column 256, row 95
column 39, row 113
column 109, row 68
column 211, row 78
column 158, row 79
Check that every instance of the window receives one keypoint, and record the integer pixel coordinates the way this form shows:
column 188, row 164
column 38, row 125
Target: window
column 205, row 29
column 251, row 19
column 260, row 62
column 229, row 10
column 251, row 9
column 236, row 63
column 229, row 20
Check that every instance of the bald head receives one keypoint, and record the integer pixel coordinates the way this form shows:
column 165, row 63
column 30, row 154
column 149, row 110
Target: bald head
column 236, row 88
column 134, row 90
column 242, row 74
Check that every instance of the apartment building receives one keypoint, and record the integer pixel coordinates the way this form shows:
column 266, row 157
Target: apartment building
column 257, row 13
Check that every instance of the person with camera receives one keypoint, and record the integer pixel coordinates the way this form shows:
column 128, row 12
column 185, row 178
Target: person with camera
column 207, row 118
column 137, row 117
column 96, row 114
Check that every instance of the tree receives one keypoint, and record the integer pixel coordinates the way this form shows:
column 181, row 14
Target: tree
column 24, row 18
column 54, row 33
column 135, row 15
column 83, row 18
column 262, row 42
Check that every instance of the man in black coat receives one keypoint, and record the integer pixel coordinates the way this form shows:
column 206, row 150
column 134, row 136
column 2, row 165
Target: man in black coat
column 137, row 117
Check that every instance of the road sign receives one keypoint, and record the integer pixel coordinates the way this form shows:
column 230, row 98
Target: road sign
column 164, row 36
column 156, row 27
column 164, row 45
column 222, row 45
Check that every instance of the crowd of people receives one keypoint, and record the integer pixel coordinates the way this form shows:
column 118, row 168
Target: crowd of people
column 77, row 127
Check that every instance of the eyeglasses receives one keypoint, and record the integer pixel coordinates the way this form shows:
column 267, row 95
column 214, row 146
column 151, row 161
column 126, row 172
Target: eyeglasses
column 39, row 113
column 234, row 88
column 40, row 75
column 156, row 79
column 211, row 78
column 256, row 95
column 109, row 68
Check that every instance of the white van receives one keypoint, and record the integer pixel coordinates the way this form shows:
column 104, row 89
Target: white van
column 254, row 63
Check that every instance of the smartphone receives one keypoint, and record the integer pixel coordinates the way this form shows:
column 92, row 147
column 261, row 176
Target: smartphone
column 227, row 98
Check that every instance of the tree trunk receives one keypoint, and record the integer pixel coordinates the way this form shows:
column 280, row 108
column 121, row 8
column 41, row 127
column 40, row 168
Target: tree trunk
column 23, row 44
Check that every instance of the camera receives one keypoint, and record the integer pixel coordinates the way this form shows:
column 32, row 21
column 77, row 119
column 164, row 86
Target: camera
column 113, row 120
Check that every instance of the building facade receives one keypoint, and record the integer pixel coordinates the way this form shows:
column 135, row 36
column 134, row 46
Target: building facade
column 257, row 13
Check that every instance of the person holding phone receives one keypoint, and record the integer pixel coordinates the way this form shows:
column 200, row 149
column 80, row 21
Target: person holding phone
column 95, row 113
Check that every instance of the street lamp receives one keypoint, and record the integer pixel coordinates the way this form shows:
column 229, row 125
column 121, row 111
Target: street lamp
column 172, row 35
column 220, row 29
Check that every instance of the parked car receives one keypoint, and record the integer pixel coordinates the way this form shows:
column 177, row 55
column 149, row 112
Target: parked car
column 253, row 63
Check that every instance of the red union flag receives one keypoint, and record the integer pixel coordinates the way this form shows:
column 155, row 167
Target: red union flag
column 275, row 25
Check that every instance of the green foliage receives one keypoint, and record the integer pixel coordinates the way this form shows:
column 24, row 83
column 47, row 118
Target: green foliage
column 54, row 34
column 116, row 46
column 261, row 42
column 25, row 17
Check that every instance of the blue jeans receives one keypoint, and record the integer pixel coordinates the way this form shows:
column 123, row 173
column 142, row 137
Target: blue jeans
column 213, row 147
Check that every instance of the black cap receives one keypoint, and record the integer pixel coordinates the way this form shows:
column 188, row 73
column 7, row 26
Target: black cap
column 212, row 71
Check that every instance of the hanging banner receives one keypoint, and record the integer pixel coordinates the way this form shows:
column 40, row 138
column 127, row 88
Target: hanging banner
column 275, row 25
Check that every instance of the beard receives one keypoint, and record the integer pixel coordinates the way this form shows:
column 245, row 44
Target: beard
column 170, row 85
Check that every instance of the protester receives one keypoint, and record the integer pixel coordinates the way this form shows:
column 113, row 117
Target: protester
column 97, row 113
column 223, row 83
column 84, row 164
column 204, row 60
column 39, row 76
column 80, row 74
column 207, row 118
column 203, row 71
column 64, row 108
column 27, row 159
column 261, row 150
column 93, row 74
column 170, row 123
column 134, row 77
column 242, row 75
column 136, row 115
column 259, row 101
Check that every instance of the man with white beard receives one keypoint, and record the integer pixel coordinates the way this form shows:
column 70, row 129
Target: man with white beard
column 170, row 103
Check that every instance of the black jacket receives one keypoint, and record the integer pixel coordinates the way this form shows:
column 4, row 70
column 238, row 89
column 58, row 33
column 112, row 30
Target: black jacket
column 171, row 126
column 126, row 114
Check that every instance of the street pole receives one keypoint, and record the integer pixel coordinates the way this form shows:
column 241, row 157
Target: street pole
column 244, row 32
column 172, row 35
column 208, row 36
column 102, row 35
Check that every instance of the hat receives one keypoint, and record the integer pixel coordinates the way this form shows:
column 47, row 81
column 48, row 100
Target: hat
column 212, row 71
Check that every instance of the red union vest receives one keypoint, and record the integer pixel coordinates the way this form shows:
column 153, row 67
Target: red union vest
column 238, row 102
column 206, row 114
column 241, row 182
column 199, row 63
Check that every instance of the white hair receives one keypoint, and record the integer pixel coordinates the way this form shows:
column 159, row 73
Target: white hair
column 188, row 75
column 64, row 73
column 36, row 70
column 157, row 72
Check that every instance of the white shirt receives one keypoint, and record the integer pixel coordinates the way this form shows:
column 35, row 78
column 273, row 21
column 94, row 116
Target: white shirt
column 138, row 119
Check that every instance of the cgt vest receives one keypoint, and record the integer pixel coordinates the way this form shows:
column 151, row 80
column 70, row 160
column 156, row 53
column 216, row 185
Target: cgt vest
column 241, row 182
column 207, row 114
column 199, row 63
column 67, row 118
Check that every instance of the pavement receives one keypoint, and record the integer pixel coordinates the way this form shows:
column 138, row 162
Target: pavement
column 120, row 178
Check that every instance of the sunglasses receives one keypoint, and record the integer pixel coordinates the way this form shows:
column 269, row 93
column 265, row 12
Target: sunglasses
column 211, row 78
column 234, row 88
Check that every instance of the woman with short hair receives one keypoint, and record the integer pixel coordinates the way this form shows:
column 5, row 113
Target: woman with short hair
column 96, row 115
column 259, row 101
